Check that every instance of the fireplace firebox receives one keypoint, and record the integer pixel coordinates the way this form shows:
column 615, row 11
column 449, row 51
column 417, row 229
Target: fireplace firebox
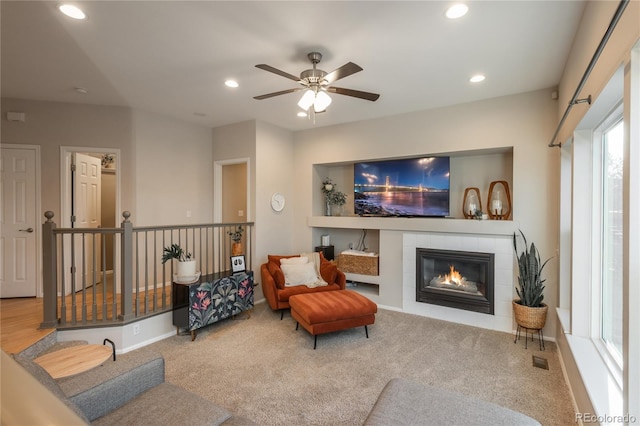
column 456, row 279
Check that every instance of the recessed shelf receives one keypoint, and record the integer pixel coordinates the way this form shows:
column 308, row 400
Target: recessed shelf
column 365, row 289
column 360, row 278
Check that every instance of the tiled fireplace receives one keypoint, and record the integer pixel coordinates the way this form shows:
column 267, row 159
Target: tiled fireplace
column 500, row 249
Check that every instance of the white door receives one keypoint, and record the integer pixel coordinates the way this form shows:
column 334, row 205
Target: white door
column 18, row 218
column 87, row 188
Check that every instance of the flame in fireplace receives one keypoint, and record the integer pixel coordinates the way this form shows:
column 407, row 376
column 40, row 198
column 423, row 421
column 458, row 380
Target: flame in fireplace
column 453, row 277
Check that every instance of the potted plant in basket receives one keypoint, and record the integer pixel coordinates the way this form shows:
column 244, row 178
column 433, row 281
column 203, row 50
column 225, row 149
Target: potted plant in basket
column 186, row 266
column 236, row 237
column 529, row 311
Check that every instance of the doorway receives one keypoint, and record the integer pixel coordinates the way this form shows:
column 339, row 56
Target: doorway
column 90, row 198
column 234, row 192
column 21, row 231
column 232, row 195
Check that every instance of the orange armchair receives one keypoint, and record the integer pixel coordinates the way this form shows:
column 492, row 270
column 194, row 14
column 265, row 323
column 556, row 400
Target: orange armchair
column 277, row 294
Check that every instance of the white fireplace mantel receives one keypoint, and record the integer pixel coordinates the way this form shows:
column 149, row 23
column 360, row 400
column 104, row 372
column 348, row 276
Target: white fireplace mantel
column 417, row 224
column 501, row 245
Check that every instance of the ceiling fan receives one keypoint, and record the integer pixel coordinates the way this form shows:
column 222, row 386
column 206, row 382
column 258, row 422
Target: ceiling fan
column 316, row 83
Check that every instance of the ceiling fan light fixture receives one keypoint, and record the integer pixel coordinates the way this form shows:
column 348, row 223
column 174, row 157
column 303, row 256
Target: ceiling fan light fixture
column 316, row 83
column 307, row 100
column 322, row 101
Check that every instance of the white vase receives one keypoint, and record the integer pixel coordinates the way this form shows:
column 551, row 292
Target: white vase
column 186, row 269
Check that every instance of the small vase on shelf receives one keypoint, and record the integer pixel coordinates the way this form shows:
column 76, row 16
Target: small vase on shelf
column 327, row 208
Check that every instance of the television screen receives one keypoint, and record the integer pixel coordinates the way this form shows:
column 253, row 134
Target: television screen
column 406, row 187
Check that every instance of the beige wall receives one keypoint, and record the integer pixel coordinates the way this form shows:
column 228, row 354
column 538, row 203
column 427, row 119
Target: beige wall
column 275, row 172
column 595, row 20
column 237, row 142
column 523, row 122
column 55, row 124
column 173, row 169
column 165, row 166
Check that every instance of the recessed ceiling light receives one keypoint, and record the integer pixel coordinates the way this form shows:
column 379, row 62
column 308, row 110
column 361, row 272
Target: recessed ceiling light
column 456, row 11
column 81, row 90
column 71, row 11
column 302, row 114
column 477, row 78
column 231, row 83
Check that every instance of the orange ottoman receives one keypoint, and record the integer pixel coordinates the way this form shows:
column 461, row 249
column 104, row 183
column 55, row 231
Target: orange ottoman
column 329, row 311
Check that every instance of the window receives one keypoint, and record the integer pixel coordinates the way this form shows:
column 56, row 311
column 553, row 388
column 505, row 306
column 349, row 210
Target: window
column 602, row 314
column 612, row 239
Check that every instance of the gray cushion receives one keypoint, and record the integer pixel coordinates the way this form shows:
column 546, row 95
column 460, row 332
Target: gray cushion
column 403, row 402
column 166, row 404
column 108, row 387
column 47, row 381
column 125, row 363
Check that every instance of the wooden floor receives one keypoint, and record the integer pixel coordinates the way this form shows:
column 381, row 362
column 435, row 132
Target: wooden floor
column 20, row 318
column 20, row 323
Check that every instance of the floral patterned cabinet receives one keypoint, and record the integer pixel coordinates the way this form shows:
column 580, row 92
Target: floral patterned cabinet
column 211, row 299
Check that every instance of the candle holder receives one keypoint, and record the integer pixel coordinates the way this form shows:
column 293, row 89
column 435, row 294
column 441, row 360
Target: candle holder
column 499, row 200
column 471, row 203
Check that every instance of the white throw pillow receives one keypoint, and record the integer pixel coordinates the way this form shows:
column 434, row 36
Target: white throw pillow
column 298, row 260
column 299, row 274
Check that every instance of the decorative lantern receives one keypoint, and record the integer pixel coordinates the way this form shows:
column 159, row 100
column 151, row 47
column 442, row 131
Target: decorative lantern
column 471, row 203
column 499, row 201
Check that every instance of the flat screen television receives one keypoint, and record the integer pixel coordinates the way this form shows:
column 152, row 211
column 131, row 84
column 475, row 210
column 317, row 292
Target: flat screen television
column 409, row 187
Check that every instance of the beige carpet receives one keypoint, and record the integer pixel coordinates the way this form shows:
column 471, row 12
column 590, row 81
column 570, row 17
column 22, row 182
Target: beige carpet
column 265, row 370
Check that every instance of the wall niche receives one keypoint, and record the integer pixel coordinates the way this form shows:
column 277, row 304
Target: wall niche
column 476, row 168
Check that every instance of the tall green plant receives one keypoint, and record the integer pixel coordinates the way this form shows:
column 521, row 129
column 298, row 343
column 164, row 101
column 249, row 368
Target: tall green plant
column 530, row 283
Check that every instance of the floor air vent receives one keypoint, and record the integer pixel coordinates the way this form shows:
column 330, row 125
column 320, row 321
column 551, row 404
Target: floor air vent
column 540, row 362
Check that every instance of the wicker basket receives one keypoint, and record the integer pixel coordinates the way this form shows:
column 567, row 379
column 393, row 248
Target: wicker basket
column 354, row 264
column 528, row 317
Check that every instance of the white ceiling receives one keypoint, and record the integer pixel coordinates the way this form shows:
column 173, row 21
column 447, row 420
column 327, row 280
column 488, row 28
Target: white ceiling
column 172, row 57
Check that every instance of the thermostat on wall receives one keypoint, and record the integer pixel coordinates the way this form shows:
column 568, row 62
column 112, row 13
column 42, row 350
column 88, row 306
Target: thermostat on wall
column 16, row 116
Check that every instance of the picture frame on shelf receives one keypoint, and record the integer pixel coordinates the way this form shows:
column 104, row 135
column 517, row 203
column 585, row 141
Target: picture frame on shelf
column 238, row 264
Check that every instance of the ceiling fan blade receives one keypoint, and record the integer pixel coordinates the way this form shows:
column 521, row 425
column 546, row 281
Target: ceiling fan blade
column 355, row 93
column 282, row 92
column 277, row 71
column 342, row 72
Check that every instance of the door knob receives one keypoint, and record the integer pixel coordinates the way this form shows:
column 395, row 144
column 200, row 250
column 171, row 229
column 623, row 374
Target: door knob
column 29, row 230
